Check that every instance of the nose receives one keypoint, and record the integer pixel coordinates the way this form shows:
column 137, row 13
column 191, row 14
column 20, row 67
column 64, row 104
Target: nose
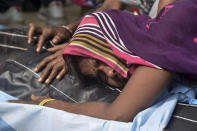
column 109, row 71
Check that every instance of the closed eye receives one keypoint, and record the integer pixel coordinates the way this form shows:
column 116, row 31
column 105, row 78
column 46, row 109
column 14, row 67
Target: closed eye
column 102, row 76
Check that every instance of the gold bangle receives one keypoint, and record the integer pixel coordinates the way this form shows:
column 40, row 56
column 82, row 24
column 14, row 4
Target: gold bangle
column 66, row 27
column 43, row 102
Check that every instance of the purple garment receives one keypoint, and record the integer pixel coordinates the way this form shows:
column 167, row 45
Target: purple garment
column 168, row 41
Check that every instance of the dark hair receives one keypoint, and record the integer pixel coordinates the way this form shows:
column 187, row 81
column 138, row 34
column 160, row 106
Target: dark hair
column 73, row 67
column 73, row 64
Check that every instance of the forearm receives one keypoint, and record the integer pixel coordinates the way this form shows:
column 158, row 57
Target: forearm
column 163, row 3
column 108, row 4
column 93, row 109
column 140, row 92
column 73, row 26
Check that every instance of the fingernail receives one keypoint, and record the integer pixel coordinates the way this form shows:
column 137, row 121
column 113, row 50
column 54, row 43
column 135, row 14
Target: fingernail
column 54, row 40
column 40, row 79
column 58, row 77
column 37, row 50
column 28, row 41
column 36, row 69
column 47, row 81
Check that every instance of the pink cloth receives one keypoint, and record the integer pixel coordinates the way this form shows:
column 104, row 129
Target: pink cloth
column 76, row 49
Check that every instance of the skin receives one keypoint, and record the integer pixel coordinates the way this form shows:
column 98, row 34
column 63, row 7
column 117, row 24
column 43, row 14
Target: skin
column 141, row 90
column 53, row 65
column 163, row 3
column 91, row 67
column 58, row 35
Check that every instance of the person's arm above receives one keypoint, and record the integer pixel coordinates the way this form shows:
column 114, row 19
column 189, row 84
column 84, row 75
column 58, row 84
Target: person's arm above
column 140, row 92
column 108, row 4
column 163, row 3
column 61, row 34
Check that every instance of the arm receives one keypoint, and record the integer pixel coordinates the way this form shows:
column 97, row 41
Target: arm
column 60, row 34
column 163, row 3
column 140, row 92
column 142, row 89
column 108, row 4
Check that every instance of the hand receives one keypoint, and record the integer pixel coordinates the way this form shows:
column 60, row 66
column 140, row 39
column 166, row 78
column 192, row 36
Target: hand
column 35, row 100
column 54, row 64
column 57, row 34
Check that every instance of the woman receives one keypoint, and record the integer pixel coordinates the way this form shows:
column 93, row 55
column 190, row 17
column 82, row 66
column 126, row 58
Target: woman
column 167, row 40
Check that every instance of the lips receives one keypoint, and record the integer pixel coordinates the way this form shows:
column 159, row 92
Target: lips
column 121, row 79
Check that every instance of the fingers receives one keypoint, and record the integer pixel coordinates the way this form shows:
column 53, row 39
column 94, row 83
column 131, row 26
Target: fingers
column 59, row 38
column 13, row 101
column 37, row 98
column 52, row 75
column 33, row 29
column 46, row 33
column 43, row 38
column 46, row 72
column 54, row 72
column 54, row 69
column 55, row 48
column 44, row 62
column 61, row 74
column 34, row 98
column 58, row 34
column 58, row 47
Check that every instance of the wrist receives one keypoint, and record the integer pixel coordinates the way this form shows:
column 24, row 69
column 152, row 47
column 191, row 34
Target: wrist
column 68, row 28
column 45, row 101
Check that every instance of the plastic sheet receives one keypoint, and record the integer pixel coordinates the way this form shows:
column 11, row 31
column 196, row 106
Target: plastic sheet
column 17, row 78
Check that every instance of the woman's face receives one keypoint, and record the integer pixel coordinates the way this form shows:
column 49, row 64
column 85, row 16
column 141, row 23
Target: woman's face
column 94, row 68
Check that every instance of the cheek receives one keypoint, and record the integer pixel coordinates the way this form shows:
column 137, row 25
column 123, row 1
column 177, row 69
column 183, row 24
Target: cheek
column 82, row 69
column 87, row 70
column 87, row 66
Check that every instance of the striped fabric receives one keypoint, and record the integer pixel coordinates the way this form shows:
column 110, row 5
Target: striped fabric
column 97, row 37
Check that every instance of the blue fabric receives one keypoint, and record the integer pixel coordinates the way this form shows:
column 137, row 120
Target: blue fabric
column 38, row 118
column 157, row 116
column 5, row 96
column 5, row 126
column 32, row 117
column 3, row 26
